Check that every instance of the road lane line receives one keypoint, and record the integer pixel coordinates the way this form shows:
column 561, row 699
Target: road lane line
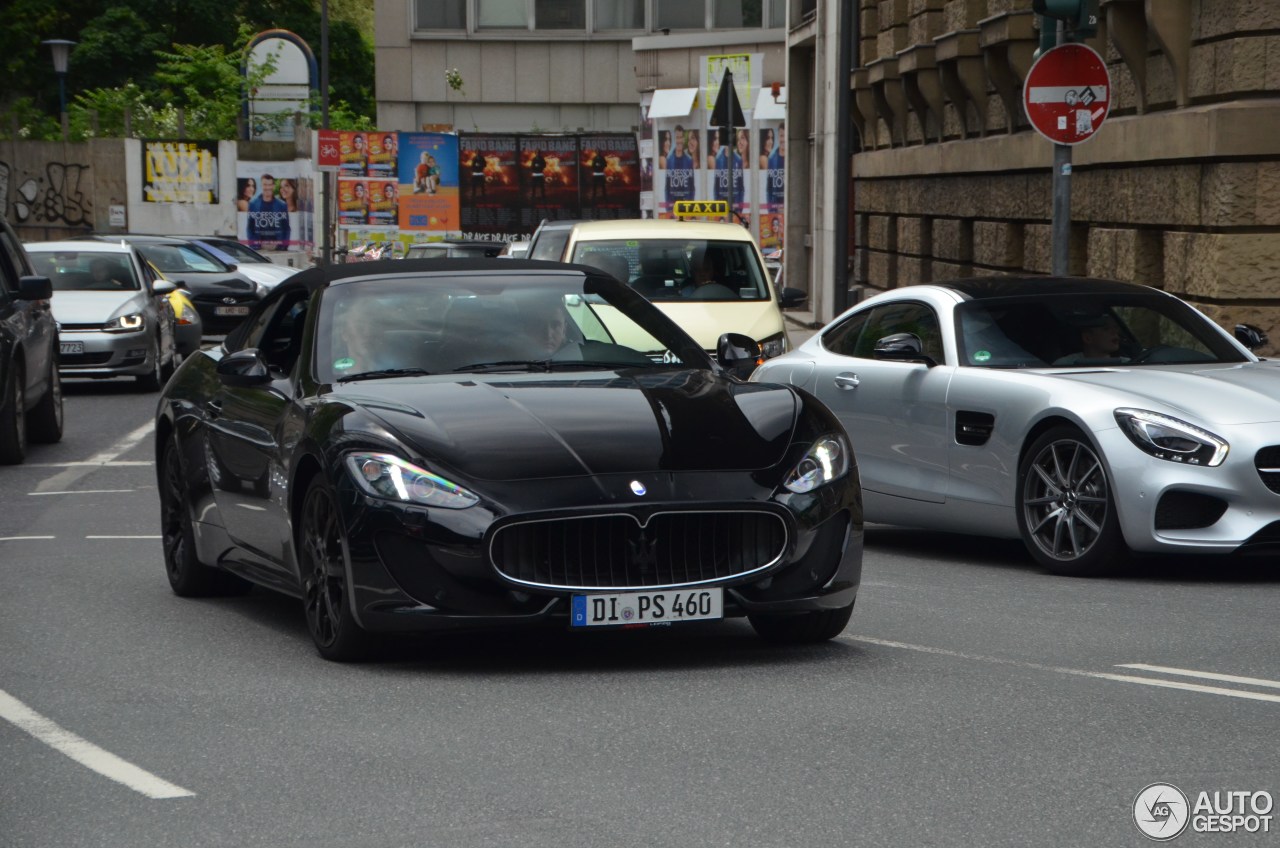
column 124, row 537
column 1207, row 675
column 85, row 752
column 119, row 463
column 65, row 479
column 1098, row 675
column 23, row 538
column 83, row 492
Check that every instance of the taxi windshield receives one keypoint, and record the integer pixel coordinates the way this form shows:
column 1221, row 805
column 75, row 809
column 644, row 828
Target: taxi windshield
column 673, row 270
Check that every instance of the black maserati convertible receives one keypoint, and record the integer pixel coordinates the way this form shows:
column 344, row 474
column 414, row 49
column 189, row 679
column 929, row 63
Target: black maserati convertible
column 426, row 444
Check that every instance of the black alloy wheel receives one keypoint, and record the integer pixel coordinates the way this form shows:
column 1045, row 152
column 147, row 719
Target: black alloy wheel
column 801, row 628
column 45, row 421
column 1066, row 512
column 13, row 420
column 322, row 564
column 188, row 576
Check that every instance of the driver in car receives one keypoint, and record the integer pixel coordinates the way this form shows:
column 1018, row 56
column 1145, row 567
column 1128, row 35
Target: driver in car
column 1099, row 340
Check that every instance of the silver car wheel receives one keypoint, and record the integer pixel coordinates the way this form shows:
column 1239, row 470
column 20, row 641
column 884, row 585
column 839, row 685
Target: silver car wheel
column 1065, row 500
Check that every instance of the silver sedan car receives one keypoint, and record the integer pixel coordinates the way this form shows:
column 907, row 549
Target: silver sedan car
column 113, row 312
column 1089, row 418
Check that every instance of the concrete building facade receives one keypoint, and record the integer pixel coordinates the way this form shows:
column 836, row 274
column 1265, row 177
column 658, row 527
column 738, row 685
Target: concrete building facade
column 1180, row 189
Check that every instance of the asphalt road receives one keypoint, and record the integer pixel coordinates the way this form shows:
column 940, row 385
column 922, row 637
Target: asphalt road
column 973, row 700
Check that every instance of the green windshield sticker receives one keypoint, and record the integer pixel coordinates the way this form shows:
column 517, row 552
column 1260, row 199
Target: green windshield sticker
column 344, row 363
column 981, row 355
column 633, row 243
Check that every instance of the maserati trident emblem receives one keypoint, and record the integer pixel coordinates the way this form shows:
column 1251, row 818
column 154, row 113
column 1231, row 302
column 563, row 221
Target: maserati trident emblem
column 637, row 488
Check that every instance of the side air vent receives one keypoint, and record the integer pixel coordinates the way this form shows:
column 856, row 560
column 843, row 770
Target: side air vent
column 1188, row 510
column 974, row 428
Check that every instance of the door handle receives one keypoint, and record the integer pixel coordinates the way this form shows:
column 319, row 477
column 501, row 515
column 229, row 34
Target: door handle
column 213, row 408
column 846, row 381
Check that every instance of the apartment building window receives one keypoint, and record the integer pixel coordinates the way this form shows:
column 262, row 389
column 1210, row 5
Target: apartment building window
column 441, row 14
column 560, row 14
column 502, row 14
column 778, row 14
column 736, row 14
column 619, row 14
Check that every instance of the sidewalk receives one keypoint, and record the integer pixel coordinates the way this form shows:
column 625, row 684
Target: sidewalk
column 800, row 326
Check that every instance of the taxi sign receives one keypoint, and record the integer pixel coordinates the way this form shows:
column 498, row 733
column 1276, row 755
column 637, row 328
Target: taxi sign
column 696, row 208
column 1067, row 93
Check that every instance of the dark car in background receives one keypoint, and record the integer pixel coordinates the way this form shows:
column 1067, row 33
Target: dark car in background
column 30, row 389
column 455, row 249
column 246, row 260
column 221, row 294
column 418, row 445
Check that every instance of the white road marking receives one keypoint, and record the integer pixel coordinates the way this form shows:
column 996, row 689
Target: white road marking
column 23, row 538
column 122, row 537
column 1207, row 675
column 83, row 492
column 85, row 752
column 64, row 479
column 1099, row 675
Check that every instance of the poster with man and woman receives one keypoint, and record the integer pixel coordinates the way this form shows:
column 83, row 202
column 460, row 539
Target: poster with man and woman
column 274, row 208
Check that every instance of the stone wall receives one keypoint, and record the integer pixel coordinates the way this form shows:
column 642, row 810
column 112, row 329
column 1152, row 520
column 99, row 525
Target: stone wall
column 1179, row 190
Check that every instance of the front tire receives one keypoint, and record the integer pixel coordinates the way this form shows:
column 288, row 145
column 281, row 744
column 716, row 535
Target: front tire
column 323, row 565
column 801, row 628
column 45, row 422
column 153, row 381
column 188, row 576
column 1066, row 512
column 13, row 420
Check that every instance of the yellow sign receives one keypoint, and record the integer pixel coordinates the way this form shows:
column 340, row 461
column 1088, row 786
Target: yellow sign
column 695, row 208
column 740, row 65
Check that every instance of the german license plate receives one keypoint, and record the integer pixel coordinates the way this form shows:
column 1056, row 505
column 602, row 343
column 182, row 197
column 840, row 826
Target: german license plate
column 71, row 347
column 231, row 310
column 647, row 608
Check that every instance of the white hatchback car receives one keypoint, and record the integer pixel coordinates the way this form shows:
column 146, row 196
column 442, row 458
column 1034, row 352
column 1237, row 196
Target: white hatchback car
column 709, row 278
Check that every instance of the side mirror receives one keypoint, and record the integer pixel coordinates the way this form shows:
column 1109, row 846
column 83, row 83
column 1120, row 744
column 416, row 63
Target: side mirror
column 903, row 347
column 739, row 354
column 1250, row 336
column 792, row 297
column 163, row 287
column 244, row 368
column 35, row 288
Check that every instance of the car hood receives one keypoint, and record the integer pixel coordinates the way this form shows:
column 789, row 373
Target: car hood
column 267, row 273
column 1242, row 393
column 94, row 307
column 516, row 428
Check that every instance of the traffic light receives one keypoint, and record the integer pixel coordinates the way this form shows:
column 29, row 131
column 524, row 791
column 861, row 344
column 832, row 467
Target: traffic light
column 1079, row 16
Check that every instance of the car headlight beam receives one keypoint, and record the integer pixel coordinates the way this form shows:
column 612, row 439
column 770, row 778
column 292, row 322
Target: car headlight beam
column 1172, row 439
column 389, row 477
column 825, row 461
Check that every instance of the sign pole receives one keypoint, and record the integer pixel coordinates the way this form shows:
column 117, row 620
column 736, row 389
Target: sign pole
column 1061, row 209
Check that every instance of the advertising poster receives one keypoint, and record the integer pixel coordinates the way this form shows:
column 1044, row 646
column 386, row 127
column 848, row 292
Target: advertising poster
column 428, row 181
column 677, row 180
column 549, row 173
column 772, row 175
column 741, row 152
column 353, row 201
column 303, row 211
column 271, row 212
column 179, row 171
column 353, row 154
column 610, row 169
column 384, row 205
column 383, row 154
column 489, row 173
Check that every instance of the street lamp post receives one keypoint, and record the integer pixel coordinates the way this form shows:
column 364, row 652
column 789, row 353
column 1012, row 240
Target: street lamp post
column 61, row 49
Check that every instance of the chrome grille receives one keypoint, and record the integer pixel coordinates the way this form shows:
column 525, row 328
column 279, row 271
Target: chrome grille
column 617, row 552
column 1267, row 462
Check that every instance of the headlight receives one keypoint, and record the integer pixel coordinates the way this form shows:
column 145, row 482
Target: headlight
column 186, row 315
column 826, row 461
column 1168, row 438
column 124, row 323
column 261, row 289
column 386, row 476
column 773, row 346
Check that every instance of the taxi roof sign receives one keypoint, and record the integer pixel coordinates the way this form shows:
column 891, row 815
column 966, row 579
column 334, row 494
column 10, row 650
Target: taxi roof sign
column 699, row 208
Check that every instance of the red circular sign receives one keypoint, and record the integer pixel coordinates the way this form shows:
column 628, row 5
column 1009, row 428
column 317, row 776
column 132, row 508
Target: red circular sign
column 1067, row 93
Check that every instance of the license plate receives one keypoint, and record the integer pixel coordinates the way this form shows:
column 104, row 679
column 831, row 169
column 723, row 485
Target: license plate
column 231, row 310
column 647, row 608
column 71, row 347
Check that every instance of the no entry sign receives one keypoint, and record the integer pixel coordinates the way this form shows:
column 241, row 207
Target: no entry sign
column 1067, row 93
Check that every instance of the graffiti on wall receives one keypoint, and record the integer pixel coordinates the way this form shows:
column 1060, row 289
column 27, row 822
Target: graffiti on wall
column 58, row 196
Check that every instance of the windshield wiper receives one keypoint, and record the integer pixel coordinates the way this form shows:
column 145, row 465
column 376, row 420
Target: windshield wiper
column 508, row 364
column 383, row 372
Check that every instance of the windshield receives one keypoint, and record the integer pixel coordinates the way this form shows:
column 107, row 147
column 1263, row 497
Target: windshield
column 85, row 270
column 1090, row 329
column 238, row 251
column 439, row 325
column 674, row 270
column 181, row 258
